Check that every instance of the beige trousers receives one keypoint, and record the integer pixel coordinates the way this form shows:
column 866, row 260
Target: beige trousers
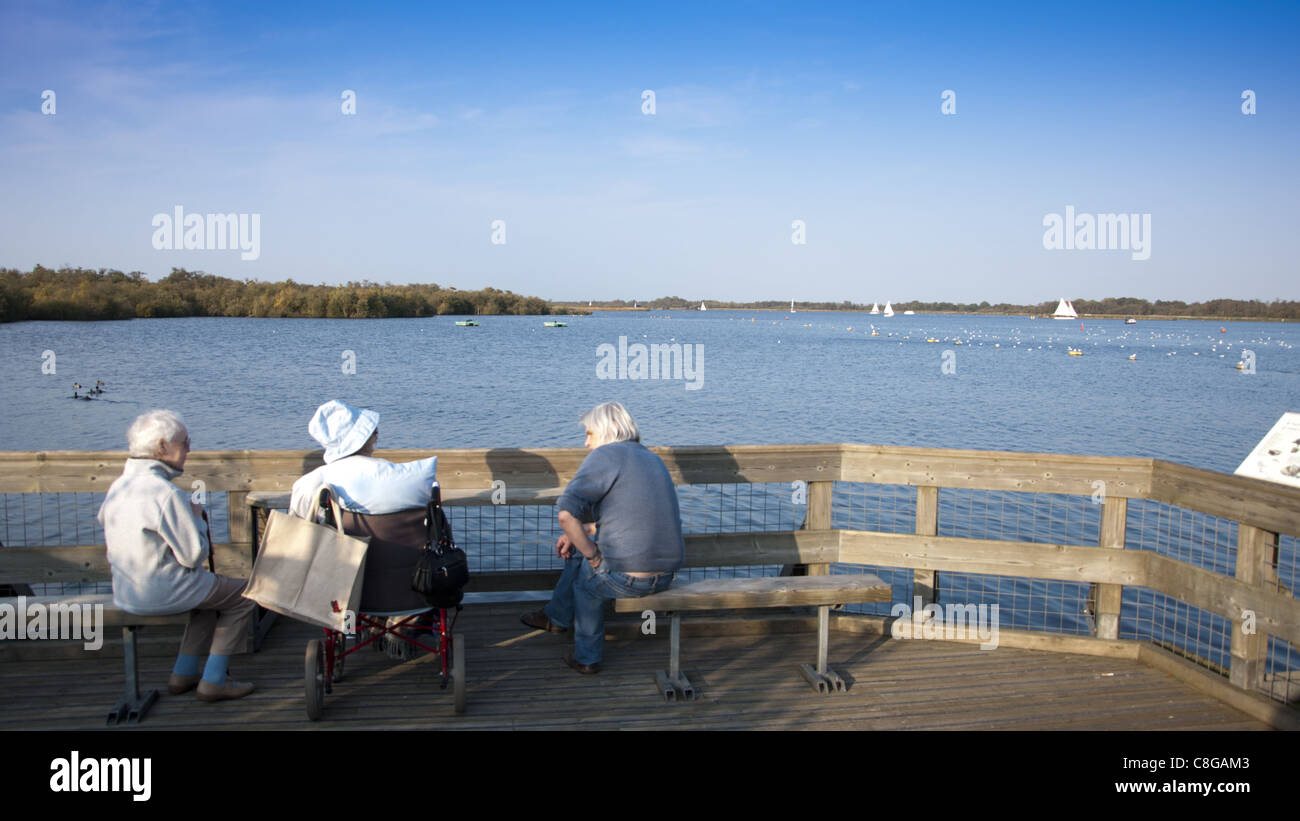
column 219, row 625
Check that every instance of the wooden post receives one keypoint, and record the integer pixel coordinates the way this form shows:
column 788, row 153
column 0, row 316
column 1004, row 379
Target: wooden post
column 241, row 523
column 819, row 518
column 925, row 582
column 1256, row 558
column 240, row 520
column 1107, row 597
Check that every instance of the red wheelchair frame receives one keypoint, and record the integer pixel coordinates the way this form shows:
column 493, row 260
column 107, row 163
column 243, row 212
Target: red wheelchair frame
column 323, row 665
column 324, row 660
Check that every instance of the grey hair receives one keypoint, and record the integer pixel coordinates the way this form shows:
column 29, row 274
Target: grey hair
column 610, row 422
column 149, row 429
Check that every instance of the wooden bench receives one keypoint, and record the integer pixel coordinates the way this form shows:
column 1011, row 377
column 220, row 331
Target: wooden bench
column 133, row 705
column 822, row 592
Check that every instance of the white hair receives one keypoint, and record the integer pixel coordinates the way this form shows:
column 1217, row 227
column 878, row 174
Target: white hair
column 149, row 429
column 610, row 422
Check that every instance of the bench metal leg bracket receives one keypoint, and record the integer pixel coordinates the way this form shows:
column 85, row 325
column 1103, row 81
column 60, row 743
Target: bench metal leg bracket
column 827, row 682
column 672, row 684
column 132, row 707
column 678, row 689
column 822, row 677
column 819, row 682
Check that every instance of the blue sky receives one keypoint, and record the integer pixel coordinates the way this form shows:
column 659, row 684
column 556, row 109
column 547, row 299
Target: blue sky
column 765, row 113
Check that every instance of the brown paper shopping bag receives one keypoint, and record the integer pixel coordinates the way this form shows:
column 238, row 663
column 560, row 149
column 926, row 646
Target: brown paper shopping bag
column 309, row 571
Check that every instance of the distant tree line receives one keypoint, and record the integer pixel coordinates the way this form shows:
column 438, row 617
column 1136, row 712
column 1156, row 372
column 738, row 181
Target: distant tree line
column 1118, row 306
column 89, row 294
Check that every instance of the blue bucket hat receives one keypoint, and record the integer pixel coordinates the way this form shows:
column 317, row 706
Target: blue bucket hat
column 341, row 429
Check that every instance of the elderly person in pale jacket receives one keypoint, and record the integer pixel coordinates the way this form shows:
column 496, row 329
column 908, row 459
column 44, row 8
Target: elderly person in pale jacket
column 158, row 549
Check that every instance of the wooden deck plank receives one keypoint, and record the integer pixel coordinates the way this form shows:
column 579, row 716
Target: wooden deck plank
column 517, row 681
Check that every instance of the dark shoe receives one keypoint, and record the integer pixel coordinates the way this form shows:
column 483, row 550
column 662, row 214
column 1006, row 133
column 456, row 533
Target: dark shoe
column 538, row 621
column 177, row 685
column 209, row 692
column 585, row 669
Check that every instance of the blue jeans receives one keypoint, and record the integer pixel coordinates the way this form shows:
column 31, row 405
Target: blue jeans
column 579, row 601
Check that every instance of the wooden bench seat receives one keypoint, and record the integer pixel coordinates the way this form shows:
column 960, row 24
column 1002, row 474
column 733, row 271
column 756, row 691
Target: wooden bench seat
column 822, row 592
column 133, row 705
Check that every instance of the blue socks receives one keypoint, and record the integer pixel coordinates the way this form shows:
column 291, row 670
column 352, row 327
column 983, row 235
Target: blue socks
column 187, row 665
column 214, row 672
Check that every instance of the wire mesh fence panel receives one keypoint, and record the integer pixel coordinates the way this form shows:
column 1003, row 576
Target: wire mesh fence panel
column 866, row 506
column 1200, row 539
column 1288, row 565
column 503, row 538
column 742, row 571
column 1200, row 635
column 739, row 508
column 50, row 519
column 67, row 519
column 898, row 578
column 72, row 519
column 1038, row 518
column 882, row 508
column 1022, row 604
column 1050, row 518
column 499, row 538
column 1282, row 672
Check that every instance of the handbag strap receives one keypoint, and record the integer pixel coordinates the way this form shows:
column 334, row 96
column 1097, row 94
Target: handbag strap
column 314, row 513
column 433, row 511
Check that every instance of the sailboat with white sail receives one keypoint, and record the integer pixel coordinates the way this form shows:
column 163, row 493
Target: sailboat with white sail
column 889, row 309
column 875, row 307
column 1065, row 310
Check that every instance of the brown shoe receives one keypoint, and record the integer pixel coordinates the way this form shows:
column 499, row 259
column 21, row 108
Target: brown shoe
column 177, row 685
column 538, row 621
column 585, row 669
column 209, row 692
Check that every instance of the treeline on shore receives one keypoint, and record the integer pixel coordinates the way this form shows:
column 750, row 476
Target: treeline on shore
column 1117, row 306
column 90, row 294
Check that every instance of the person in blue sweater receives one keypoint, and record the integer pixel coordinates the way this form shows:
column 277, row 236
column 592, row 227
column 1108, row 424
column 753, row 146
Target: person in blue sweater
column 622, row 534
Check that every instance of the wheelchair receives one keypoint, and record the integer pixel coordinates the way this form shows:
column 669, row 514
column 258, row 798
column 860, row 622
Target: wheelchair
column 389, row 608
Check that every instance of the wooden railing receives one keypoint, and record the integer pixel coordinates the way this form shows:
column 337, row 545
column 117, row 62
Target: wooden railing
column 1254, row 597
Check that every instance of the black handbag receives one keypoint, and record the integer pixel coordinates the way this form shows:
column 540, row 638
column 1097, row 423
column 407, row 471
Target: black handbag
column 442, row 570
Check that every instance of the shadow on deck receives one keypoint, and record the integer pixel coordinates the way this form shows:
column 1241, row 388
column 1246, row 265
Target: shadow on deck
column 516, row 680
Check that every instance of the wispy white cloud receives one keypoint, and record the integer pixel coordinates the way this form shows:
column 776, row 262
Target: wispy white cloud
column 658, row 146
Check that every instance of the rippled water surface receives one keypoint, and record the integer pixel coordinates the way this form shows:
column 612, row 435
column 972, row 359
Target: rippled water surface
column 766, row 378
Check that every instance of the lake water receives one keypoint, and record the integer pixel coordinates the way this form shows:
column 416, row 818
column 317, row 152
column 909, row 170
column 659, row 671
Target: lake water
column 757, row 378
column 766, row 378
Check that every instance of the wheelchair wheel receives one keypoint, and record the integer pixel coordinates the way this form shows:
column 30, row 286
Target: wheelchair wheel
column 458, row 670
column 314, row 674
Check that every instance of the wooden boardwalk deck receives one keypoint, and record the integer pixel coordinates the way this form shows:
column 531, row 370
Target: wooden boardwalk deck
column 516, row 680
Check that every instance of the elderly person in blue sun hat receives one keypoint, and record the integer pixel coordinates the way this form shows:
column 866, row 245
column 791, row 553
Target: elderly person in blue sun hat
column 363, row 483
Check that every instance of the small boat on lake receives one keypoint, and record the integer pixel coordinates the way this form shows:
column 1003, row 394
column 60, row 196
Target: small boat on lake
column 556, row 324
column 467, row 323
column 1065, row 310
column 889, row 309
column 1130, row 321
